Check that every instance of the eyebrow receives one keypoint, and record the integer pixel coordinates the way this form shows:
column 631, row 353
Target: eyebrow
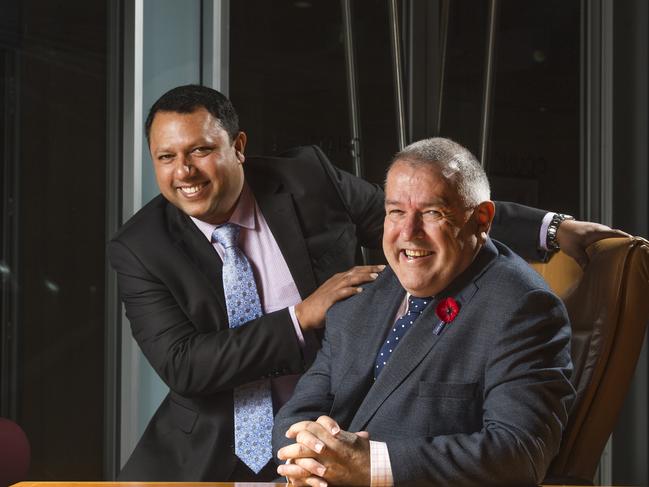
column 438, row 202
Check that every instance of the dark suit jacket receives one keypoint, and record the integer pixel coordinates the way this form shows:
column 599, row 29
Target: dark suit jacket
column 169, row 278
column 482, row 403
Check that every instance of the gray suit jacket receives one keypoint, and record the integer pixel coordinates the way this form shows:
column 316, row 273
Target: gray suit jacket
column 483, row 402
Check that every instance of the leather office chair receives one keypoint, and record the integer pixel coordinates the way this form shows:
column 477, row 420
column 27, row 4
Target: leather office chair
column 14, row 453
column 608, row 304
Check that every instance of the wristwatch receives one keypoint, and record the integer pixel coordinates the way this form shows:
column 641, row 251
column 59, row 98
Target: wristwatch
column 551, row 241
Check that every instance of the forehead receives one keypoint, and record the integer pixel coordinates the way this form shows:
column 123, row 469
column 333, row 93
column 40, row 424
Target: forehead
column 168, row 126
column 417, row 182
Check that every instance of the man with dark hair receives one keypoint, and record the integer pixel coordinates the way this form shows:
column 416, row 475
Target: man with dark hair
column 185, row 99
column 453, row 366
column 226, row 275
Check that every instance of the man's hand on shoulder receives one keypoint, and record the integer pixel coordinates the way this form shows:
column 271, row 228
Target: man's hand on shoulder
column 325, row 455
column 575, row 236
column 311, row 312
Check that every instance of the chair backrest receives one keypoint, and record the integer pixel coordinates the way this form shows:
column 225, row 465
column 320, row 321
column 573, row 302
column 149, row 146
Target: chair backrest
column 608, row 304
column 14, row 453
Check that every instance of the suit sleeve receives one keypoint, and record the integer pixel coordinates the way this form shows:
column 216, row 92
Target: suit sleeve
column 527, row 397
column 364, row 202
column 518, row 227
column 312, row 398
column 190, row 361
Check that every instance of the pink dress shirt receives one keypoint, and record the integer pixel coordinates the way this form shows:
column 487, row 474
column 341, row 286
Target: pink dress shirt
column 275, row 284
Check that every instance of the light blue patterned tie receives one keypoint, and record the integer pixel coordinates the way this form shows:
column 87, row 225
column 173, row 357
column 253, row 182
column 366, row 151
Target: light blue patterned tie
column 253, row 405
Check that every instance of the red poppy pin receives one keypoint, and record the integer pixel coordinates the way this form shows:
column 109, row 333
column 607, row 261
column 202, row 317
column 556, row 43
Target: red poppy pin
column 447, row 309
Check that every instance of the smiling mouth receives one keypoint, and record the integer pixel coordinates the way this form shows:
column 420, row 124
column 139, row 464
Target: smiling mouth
column 412, row 254
column 191, row 190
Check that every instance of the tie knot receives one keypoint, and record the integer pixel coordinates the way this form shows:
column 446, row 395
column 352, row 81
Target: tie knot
column 417, row 305
column 227, row 235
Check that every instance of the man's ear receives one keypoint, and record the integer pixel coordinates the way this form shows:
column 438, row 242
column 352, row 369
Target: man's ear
column 484, row 215
column 240, row 146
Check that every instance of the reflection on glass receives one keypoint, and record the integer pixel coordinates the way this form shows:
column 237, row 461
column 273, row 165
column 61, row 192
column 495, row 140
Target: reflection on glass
column 53, row 127
column 533, row 149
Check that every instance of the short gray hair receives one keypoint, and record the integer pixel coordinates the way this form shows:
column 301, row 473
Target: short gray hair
column 455, row 161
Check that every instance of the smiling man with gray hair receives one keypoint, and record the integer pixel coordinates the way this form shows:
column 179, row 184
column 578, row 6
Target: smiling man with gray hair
column 454, row 160
column 452, row 368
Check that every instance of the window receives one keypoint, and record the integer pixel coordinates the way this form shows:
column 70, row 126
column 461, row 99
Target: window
column 53, row 100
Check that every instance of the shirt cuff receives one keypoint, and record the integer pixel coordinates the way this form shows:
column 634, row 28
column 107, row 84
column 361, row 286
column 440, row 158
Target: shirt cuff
column 543, row 234
column 380, row 467
column 296, row 324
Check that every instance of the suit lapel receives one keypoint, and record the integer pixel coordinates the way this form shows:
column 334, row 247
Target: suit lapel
column 279, row 212
column 420, row 340
column 416, row 344
column 377, row 316
column 191, row 242
column 367, row 329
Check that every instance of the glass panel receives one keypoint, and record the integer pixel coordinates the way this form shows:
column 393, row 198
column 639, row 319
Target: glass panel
column 172, row 45
column 534, row 140
column 55, row 77
column 464, row 73
column 287, row 76
column 534, row 137
column 289, row 84
column 379, row 142
column 171, row 57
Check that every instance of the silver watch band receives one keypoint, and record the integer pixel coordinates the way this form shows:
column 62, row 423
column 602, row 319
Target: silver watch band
column 551, row 241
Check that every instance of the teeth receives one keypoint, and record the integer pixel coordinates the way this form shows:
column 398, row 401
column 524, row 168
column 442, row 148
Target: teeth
column 190, row 189
column 417, row 253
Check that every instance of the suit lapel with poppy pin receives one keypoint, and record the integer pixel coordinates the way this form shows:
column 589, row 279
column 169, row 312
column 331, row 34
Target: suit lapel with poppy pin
column 421, row 340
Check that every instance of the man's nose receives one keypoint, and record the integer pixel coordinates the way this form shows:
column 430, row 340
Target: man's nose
column 184, row 166
column 412, row 227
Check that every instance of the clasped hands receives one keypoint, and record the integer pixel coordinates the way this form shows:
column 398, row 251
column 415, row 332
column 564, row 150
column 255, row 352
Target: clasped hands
column 324, row 454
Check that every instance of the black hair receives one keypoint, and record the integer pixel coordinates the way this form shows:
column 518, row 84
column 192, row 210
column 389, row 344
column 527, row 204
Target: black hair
column 189, row 98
